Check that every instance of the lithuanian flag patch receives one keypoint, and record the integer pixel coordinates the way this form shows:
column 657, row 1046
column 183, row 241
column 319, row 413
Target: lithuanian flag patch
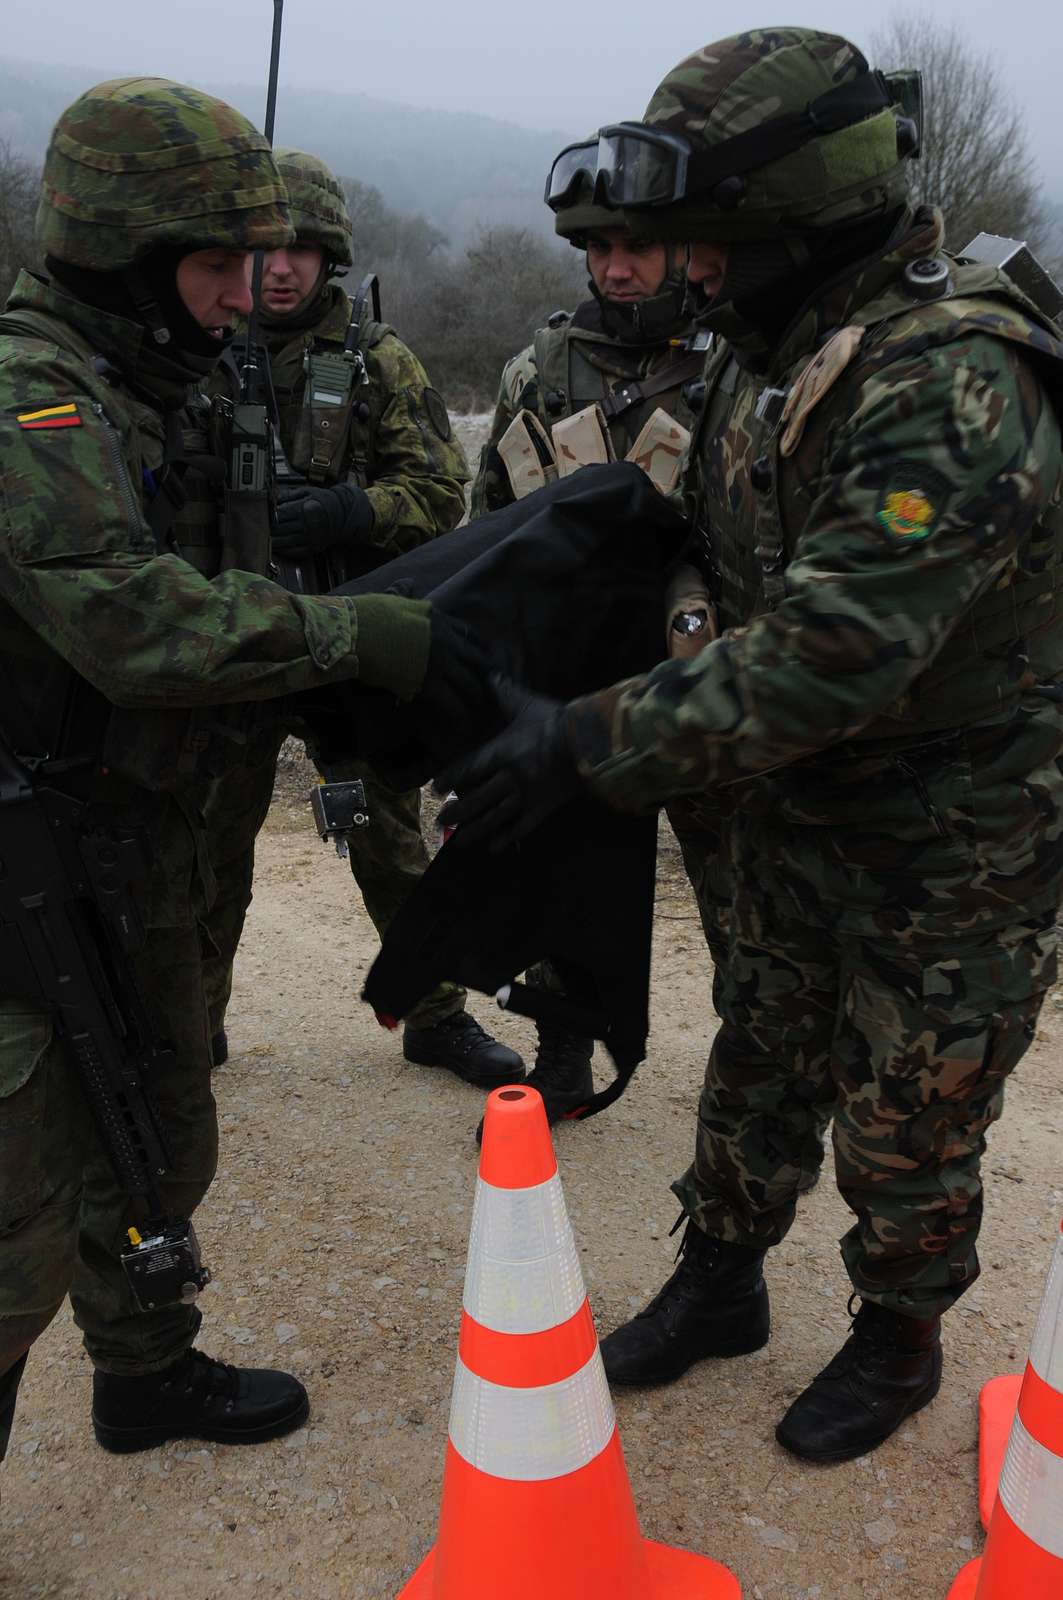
column 51, row 417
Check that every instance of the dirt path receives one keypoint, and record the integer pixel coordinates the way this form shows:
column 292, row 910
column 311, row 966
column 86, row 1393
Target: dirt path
column 337, row 1231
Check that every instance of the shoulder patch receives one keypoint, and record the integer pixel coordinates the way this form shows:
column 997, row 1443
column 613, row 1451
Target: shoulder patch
column 66, row 416
column 912, row 501
column 436, row 408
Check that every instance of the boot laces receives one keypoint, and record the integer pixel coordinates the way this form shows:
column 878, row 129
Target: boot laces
column 206, row 1378
column 465, row 1032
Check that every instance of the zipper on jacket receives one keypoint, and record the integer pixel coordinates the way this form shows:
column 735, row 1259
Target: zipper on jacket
column 925, row 801
column 121, row 471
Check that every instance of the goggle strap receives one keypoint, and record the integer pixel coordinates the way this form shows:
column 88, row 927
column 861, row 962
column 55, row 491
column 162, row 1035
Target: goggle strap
column 838, row 108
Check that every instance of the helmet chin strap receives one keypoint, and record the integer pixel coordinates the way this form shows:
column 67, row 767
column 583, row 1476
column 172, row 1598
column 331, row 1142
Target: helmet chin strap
column 149, row 312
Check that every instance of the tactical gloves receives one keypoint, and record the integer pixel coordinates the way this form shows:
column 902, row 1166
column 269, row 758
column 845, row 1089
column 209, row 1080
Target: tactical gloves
column 310, row 520
column 508, row 786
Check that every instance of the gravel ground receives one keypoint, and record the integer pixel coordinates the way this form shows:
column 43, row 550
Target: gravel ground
column 337, row 1231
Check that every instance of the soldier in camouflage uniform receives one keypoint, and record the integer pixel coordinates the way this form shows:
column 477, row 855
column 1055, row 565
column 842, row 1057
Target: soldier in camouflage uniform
column 370, row 470
column 625, row 351
column 129, row 672
column 877, row 484
column 620, row 368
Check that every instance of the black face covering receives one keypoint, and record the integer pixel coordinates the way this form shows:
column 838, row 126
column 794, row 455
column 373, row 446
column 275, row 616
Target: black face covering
column 768, row 281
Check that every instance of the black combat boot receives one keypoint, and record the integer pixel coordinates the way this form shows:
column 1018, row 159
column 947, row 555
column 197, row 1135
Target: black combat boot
column 219, row 1048
column 714, row 1304
column 562, row 1070
column 889, row 1367
column 197, row 1398
column 464, row 1048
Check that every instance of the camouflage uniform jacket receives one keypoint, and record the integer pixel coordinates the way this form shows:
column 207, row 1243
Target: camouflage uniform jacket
column 572, row 363
column 886, row 545
column 399, row 445
column 112, row 652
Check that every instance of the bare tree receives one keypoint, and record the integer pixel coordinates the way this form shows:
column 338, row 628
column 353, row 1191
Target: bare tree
column 20, row 183
column 976, row 162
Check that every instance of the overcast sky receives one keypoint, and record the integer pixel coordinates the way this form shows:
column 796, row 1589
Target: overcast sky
column 544, row 63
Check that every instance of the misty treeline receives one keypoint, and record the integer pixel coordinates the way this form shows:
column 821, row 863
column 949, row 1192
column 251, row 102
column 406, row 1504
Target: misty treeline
column 464, row 314
column 467, row 311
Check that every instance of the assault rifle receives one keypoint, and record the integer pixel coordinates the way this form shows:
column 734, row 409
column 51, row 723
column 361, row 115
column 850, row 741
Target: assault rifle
column 69, row 925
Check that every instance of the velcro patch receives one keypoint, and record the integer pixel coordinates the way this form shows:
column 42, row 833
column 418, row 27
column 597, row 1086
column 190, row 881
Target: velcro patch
column 436, row 408
column 51, row 417
column 912, row 502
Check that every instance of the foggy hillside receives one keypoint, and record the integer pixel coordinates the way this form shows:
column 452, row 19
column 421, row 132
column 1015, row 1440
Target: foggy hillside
column 458, row 169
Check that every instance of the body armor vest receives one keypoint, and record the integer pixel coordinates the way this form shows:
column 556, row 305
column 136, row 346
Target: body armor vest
column 576, row 368
column 70, row 725
column 761, row 449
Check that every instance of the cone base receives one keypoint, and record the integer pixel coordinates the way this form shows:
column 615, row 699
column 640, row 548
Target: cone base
column 674, row 1575
column 966, row 1581
column 682, row 1575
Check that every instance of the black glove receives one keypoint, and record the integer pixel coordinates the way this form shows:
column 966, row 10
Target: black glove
column 457, row 699
column 310, row 520
column 508, row 786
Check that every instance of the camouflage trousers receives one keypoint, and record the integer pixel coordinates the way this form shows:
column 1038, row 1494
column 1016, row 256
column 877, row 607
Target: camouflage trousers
column 907, row 1041
column 387, row 858
column 63, row 1218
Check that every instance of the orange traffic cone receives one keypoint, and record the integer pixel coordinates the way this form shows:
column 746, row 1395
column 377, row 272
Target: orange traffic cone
column 1023, row 1557
column 536, row 1500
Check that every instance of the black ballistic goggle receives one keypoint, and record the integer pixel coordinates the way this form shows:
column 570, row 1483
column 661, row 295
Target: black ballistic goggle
column 630, row 164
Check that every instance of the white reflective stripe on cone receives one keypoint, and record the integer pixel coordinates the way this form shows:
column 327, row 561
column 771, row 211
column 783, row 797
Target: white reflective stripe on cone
column 1031, row 1490
column 1046, row 1351
column 523, row 1273
column 532, row 1434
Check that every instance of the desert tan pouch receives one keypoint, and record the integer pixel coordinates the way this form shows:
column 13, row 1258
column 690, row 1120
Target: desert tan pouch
column 582, row 440
column 527, row 455
column 659, row 450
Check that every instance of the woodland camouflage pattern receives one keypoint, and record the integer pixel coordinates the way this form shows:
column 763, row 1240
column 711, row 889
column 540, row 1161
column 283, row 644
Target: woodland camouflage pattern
column 141, row 162
column 729, row 87
column 893, row 766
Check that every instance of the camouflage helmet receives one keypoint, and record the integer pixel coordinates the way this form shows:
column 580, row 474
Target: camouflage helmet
column 319, row 208
column 787, row 128
column 140, row 162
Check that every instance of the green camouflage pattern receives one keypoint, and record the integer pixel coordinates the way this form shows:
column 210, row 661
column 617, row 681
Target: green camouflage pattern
column 414, row 476
column 908, row 1044
column 136, row 163
column 85, row 590
column 726, row 88
column 595, row 364
column 415, row 479
column 317, row 204
column 897, row 872
column 62, row 1216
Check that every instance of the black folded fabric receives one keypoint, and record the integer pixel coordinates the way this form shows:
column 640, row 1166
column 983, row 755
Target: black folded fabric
column 565, row 591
